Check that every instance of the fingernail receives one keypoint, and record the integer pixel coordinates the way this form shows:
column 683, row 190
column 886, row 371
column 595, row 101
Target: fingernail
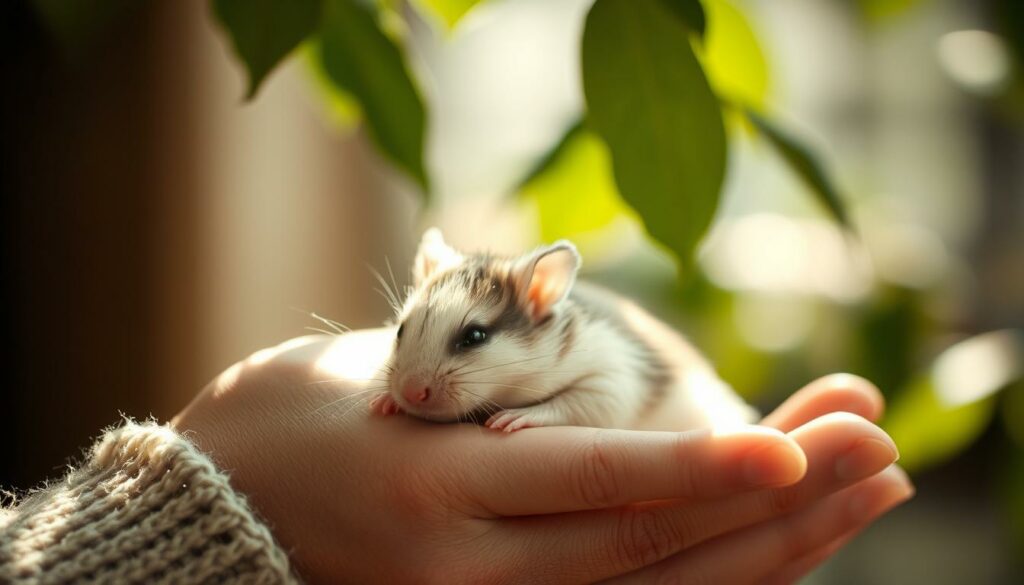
column 775, row 464
column 901, row 478
column 866, row 458
column 867, row 505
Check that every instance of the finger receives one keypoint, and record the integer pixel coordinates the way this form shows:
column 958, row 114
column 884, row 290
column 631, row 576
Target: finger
column 564, row 469
column 841, row 450
column 835, row 393
column 749, row 555
column 801, row 567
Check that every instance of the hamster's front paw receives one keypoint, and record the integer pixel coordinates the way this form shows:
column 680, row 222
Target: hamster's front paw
column 514, row 419
column 384, row 405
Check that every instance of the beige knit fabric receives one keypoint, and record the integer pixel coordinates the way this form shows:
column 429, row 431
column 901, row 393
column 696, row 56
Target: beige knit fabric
column 146, row 507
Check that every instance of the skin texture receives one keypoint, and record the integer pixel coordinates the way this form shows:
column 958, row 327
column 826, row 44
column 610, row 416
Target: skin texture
column 358, row 498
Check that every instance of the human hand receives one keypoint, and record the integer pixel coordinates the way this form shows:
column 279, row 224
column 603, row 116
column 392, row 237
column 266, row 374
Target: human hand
column 813, row 518
column 365, row 499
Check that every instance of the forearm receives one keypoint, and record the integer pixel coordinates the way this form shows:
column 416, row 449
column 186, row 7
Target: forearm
column 145, row 506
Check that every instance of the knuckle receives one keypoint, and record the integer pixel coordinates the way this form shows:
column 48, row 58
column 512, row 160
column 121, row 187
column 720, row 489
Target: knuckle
column 595, row 479
column 645, row 537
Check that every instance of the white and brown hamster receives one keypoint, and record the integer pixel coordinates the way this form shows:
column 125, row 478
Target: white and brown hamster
column 517, row 342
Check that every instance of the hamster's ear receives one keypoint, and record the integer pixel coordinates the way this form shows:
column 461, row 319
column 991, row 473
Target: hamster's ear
column 433, row 256
column 544, row 277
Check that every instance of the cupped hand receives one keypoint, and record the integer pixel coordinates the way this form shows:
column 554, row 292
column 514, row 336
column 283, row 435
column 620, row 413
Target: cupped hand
column 369, row 499
column 797, row 527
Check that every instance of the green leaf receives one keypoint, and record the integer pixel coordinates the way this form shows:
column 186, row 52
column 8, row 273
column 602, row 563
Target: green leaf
column 340, row 107
column 575, row 195
column 648, row 99
column 449, row 12
column 878, row 11
column 263, row 32
column 928, row 432
column 363, row 61
column 552, row 156
column 804, row 164
column 691, row 12
column 731, row 56
column 942, row 412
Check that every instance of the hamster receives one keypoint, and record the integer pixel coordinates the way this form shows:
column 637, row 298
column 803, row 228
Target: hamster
column 517, row 342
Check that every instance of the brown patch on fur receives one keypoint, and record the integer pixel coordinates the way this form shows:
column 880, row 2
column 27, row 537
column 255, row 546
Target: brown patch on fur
column 659, row 378
column 488, row 281
column 656, row 370
column 568, row 336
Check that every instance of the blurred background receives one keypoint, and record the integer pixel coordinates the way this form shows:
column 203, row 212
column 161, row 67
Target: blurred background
column 157, row 227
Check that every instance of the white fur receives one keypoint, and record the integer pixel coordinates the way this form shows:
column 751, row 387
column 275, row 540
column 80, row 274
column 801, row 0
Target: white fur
column 599, row 382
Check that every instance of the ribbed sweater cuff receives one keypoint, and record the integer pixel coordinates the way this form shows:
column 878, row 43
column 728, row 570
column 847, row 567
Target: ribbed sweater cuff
column 145, row 507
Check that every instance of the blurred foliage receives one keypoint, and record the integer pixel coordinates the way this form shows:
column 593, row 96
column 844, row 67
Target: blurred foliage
column 691, row 13
column 876, row 11
column 450, row 12
column 744, row 367
column 263, row 32
column 1009, row 20
column 1012, row 495
column 357, row 64
column 944, row 410
column 927, row 430
column 665, row 133
column 889, row 331
column 1013, row 413
column 804, row 164
column 732, row 57
column 342, row 108
column 653, row 74
column 358, row 57
column 577, row 175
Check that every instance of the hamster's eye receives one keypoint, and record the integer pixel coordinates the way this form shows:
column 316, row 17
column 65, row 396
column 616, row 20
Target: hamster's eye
column 471, row 336
column 401, row 328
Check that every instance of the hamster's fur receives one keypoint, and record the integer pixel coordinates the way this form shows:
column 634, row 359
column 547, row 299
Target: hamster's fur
column 518, row 343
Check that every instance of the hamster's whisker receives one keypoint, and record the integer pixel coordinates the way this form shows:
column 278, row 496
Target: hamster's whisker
column 354, row 400
column 389, row 295
column 488, row 406
column 361, row 401
column 470, row 419
column 332, row 380
column 486, row 401
column 461, row 408
column 394, row 284
column 360, row 394
column 339, row 327
column 512, row 363
column 536, row 391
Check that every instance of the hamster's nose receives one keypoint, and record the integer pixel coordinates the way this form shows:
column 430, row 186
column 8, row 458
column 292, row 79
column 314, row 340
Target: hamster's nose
column 414, row 391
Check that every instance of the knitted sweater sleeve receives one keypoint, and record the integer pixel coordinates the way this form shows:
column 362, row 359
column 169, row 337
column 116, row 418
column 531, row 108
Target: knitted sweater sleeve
column 145, row 507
